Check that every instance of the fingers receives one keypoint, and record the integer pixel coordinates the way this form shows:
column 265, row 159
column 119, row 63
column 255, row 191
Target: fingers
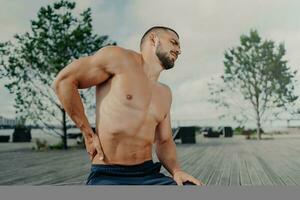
column 93, row 147
column 179, row 182
column 92, row 154
column 201, row 183
column 97, row 145
column 189, row 180
column 196, row 181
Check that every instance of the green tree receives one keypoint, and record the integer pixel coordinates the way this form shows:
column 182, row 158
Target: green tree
column 257, row 71
column 32, row 60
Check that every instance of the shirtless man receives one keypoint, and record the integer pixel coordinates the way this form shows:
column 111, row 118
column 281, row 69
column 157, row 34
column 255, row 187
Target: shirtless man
column 132, row 111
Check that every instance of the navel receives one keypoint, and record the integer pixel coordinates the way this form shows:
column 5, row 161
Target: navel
column 129, row 96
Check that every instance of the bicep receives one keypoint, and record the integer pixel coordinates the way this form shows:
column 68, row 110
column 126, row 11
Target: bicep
column 163, row 130
column 88, row 71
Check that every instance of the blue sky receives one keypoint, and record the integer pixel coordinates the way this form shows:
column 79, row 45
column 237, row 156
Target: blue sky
column 207, row 28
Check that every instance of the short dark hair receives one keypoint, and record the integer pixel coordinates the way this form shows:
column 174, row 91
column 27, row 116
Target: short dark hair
column 154, row 28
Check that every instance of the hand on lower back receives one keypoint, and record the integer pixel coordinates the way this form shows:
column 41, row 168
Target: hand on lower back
column 93, row 147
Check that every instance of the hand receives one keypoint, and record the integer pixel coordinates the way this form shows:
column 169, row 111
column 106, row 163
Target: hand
column 180, row 177
column 93, row 147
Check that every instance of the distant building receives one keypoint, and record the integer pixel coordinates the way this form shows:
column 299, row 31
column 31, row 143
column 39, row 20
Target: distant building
column 5, row 122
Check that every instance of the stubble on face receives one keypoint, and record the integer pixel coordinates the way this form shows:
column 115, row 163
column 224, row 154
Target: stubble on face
column 165, row 60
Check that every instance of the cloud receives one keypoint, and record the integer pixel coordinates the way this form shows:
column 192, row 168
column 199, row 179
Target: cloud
column 207, row 28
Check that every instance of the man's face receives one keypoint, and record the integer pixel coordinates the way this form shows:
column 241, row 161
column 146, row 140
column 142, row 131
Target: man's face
column 168, row 49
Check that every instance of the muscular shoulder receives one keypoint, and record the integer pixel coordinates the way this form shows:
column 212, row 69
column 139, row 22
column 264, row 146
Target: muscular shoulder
column 116, row 57
column 166, row 90
column 112, row 51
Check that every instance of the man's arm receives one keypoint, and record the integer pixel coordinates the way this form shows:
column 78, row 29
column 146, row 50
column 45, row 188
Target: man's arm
column 166, row 150
column 165, row 146
column 83, row 73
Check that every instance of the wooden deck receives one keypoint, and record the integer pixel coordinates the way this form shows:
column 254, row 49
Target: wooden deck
column 216, row 161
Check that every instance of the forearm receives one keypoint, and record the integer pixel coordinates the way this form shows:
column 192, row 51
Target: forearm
column 166, row 153
column 69, row 97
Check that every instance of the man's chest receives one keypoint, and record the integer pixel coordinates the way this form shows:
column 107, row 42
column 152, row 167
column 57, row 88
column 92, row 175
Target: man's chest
column 134, row 95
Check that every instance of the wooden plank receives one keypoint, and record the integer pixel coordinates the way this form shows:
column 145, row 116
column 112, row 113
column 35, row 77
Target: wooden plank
column 225, row 176
column 244, row 174
column 45, row 167
column 279, row 161
column 264, row 158
column 215, row 178
column 234, row 171
column 256, row 172
column 216, row 161
column 208, row 165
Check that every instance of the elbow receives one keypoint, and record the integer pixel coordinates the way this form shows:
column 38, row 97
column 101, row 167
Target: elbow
column 63, row 83
column 165, row 141
column 55, row 85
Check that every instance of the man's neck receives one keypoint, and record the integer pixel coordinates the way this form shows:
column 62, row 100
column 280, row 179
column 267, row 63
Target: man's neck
column 151, row 66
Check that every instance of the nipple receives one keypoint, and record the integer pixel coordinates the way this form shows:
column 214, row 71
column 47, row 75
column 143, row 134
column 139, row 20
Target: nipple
column 128, row 96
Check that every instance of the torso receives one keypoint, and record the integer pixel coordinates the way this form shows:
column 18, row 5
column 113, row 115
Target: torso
column 129, row 107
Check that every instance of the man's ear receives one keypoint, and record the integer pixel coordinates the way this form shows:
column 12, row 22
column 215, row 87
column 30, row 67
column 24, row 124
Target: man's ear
column 153, row 39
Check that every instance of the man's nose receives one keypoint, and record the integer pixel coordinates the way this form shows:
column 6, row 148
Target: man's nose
column 178, row 51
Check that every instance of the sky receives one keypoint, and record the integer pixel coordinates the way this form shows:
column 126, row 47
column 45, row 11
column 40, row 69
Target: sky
column 207, row 28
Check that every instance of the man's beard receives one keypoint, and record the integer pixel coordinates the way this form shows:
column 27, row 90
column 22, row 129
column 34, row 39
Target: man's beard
column 165, row 60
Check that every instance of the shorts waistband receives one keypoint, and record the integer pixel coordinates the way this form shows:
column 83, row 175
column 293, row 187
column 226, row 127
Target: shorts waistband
column 147, row 167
